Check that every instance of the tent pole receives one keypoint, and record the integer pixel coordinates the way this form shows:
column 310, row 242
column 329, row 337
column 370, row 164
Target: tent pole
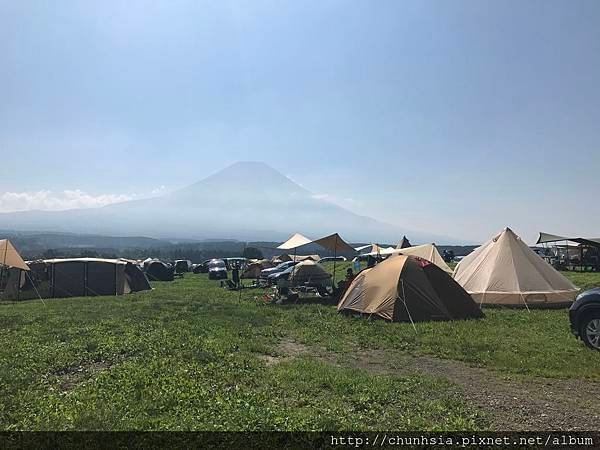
column 240, row 285
column 334, row 260
column 406, row 306
column 2, row 266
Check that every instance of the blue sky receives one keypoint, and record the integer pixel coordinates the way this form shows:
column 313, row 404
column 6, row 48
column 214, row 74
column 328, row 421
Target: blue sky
column 458, row 118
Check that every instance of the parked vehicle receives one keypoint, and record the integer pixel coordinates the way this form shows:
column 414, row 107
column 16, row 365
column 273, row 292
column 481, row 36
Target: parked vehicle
column 183, row 265
column 333, row 258
column 202, row 267
column 584, row 315
column 217, row 269
column 264, row 274
column 232, row 263
column 284, row 274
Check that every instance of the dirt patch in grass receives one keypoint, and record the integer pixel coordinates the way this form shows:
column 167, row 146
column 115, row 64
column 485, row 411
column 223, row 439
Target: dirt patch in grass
column 292, row 348
column 513, row 403
column 287, row 349
column 71, row 376
column 516, row 404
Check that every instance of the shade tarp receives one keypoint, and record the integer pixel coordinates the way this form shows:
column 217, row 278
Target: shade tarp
column 9, row 257
column 505, row 271
column 547, row 238
column 335, row 243
column 295, row 241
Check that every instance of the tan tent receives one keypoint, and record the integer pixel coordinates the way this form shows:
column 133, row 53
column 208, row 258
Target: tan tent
column 9, row 257
column 310, row 272
column 285, row 258
column 505, row 271
column 297, row 240
column 407, row 288
column 253, row 270
column 428, row 252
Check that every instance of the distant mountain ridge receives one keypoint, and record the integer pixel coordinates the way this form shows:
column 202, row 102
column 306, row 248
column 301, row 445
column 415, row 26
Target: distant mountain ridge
column 246, row 201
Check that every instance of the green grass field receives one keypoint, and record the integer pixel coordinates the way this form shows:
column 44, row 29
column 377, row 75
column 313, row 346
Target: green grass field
column 191, row 355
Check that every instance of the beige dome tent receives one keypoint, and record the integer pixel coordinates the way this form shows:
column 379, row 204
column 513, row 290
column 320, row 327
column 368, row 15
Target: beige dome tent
column 428, row 252
column 407, row 288
column 505, row 271
column 309, row 272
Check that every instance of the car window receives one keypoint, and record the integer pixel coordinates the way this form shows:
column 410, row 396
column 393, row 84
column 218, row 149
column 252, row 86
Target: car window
column 214, row 264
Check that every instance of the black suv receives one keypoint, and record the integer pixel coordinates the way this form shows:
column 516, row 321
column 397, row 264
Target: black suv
column 585, row 318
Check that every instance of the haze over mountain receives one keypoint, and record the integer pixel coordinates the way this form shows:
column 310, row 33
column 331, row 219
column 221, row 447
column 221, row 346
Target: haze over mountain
column 247, row 200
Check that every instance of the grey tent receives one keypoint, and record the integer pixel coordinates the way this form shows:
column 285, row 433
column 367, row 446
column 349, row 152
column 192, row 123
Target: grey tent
column 157, row 270
column 404, row 243
column 76, row 277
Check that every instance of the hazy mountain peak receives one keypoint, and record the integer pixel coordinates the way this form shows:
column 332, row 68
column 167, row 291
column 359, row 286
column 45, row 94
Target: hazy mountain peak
column 258, row 176
column 246, row 200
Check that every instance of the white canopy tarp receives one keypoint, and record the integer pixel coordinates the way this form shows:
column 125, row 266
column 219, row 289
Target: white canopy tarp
column 295, row 241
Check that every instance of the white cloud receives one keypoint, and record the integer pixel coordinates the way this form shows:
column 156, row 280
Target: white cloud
column 158, row 190
column 56, row 201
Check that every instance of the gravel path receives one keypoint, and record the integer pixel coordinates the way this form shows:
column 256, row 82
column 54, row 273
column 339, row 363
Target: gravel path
column 513, row 403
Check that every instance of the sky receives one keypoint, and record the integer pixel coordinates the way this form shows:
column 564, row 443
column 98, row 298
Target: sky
column 457, row 118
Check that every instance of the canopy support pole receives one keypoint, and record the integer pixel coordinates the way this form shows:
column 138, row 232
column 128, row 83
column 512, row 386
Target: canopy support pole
column 35, row 287
column 2, row 267
column 240, row 285
column 334, row 259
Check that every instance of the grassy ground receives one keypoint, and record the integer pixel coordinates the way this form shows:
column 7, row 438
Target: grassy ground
column 190, row 355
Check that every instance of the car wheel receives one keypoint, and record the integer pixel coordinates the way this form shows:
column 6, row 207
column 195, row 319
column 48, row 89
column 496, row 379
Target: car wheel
column 589, row 330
